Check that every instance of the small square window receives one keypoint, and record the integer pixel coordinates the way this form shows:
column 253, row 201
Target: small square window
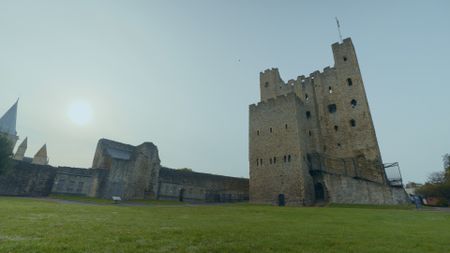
column 332, row 108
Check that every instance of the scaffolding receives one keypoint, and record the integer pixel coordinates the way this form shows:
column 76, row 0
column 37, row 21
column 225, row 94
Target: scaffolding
column 393, row 174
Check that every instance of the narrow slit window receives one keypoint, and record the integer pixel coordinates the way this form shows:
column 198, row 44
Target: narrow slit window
column 270, row 129
column 270, row 160
column 257, row 132
column 332, row 108
column 285, row 126
column 284, row 158
column 309, row 133
column 349, row 82
column 336, row 128
column 330, row 90
column 353, row 103
column 274, row 160
column 306, row 97
column 257, row 162
column 289, row 158
column 261, row 161
column 352, row 123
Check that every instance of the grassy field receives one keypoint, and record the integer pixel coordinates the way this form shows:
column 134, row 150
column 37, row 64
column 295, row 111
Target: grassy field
column 32, row 225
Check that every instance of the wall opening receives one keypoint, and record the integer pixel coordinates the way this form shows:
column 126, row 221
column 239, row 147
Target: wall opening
column 285, row 126
column 281, row 200
column 336, row 128
column 345, row 58
column 257, row 162
column 274, row 159
column 353, row 103
column 330, row 90
column 352, row 123
column 332, row 108
column 270, row 129
column 349, row 82
column 257, row 132
column 261, row 161
column 309, row 132
column 308, row 114
column 319, row 192
column 181, row 195
column 285, row 158
column 289, row 158
column 306, row 97
column 266, row 84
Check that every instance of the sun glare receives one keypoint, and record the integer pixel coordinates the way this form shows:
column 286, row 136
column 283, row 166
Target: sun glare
column 80, row 113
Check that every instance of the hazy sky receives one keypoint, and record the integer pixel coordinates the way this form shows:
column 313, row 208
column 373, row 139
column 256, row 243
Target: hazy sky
column 181, row 74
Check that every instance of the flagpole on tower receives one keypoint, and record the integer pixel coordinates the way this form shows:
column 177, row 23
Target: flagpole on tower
column 339, row 29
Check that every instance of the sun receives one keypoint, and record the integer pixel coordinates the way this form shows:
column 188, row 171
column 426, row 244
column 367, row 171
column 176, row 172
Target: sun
column 80, row 112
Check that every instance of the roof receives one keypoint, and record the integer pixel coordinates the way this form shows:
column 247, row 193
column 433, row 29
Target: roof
column 8, row 120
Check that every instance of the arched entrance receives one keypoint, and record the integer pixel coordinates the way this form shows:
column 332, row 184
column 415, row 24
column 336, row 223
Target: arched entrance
column 319, row 192
column 281, row 201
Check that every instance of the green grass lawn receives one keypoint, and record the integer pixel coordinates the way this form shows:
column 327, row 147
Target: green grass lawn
column 29, row 225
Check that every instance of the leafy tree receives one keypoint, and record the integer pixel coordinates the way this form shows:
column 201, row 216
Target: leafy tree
column 438, row 183
column 5, row 154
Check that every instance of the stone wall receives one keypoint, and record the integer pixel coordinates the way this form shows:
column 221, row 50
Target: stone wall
column 26, row 179
column 77, row 181
column 191, row 186
column 342, row 189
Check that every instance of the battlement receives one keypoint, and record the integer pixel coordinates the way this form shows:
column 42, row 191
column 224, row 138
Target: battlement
column 274, row 101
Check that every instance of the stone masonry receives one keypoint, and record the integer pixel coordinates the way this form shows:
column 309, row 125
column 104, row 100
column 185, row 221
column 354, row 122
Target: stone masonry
column 308, row 133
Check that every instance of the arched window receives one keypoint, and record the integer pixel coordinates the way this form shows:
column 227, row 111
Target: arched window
column 349, row 82
column 352, row 123
column 353, row 103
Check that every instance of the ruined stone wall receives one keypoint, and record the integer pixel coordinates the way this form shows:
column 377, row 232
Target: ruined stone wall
column 132, row 170
column 26, row 179
column 278, row 153
column 197, row 187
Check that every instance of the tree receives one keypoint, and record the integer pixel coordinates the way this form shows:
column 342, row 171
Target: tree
column 438, row 183
column 5, row 154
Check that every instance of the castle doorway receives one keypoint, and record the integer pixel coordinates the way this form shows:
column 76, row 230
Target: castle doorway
column 281, row 201
column 319, row 192
column 181, row 195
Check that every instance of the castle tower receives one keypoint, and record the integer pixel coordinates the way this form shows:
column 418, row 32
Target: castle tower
column 8, row 125
column 307, row 134
column 41, row 156
column 20, row 153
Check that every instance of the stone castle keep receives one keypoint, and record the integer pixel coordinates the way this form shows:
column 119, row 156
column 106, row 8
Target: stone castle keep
column 312, row 139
